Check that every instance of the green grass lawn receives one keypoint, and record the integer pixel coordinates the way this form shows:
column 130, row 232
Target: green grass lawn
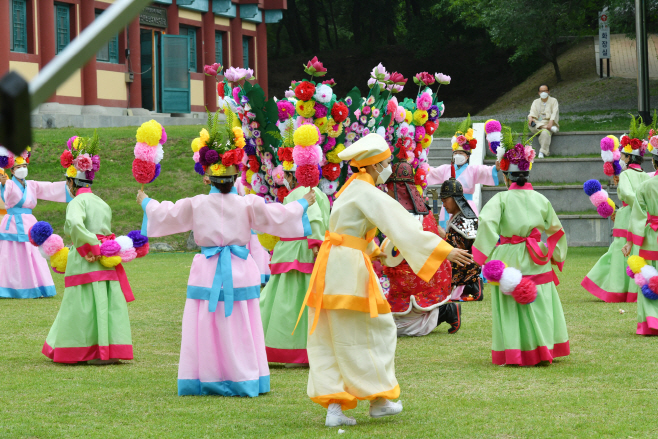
column 605, row 388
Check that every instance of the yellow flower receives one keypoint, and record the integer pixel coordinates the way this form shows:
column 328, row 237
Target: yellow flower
column 19, row 160
column 217, row 169
column 76, row 143
column 237, row 132
column 628, row 149
column 287, row 166
column 455, row 146
column 636, row 263
column 306, row 135
column 408, row 116
column 611, row 203
column 196, row 144
column 249, row 174
column 268, row 241
column 335, row 132
column 59, row 259
column 240, row 143
column 426, row 141
column 204, row 136
column 305, row 108
column 649, row 147
column 150, row 133
column 321, row 123
column 332, row 156
column 420, row 117
column 28, row 149
column 420, row 189
column 110, row 261
column 469, row 134
column 530, row 168
column 71, row 172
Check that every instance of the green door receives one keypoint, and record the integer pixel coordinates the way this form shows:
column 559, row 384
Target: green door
column 174, row 74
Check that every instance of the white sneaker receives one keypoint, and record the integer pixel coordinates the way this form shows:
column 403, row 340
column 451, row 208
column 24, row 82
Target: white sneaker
column 383, row 407
column 336, row 417
column 541, row 155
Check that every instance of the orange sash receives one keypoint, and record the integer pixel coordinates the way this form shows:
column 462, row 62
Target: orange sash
column 320, row 270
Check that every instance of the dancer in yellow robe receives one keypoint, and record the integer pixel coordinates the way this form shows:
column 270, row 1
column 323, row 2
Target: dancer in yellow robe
column 351, row 346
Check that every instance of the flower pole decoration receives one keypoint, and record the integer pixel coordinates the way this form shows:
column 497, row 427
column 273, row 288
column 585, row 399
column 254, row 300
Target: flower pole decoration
column 610, row 153
column 151, row 136
column 510, row 281
column 599, row 198
column 441, row 79
column 492, row 129
column 307, row 154
column 81, row 156
column 645, row 276
column 7, row 158
column 114, row 251
column 220, row 146
column 423, row 79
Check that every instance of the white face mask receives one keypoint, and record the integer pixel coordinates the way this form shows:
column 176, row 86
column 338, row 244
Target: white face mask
column 20, row 173
column 286, row 184
column 543, row 95
column 383, row 176
column 459, row 159
column 623, row 165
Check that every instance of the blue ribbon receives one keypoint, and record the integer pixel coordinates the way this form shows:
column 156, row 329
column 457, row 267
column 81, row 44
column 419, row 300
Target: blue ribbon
column 223, row 274
column 18, row 210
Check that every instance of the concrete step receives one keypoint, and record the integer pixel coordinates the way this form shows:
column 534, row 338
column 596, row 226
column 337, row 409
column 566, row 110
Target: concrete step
column 571, row 144
column 587, row 230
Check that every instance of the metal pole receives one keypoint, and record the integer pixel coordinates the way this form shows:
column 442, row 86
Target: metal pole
column 76, row 55
column 601, row 68
column 643, row 104
column 608, row 62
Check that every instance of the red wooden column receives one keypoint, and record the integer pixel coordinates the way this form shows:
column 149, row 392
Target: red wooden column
column 209, row 82
column 261, row 53
column 47, row 37
column 173, row 23
column 89, row 77
column 135, row 61
column 236, row 39
column 4, row 38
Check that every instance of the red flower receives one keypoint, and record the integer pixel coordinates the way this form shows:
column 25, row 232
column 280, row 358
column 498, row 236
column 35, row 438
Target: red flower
column 625, row 141
column 285, row 154
column 397, row 78
column 232, row 157
column 307, row 175
column 281, row 193
column 254, row 166
column 142, row 251
column 304, row 91
column 636, row 143
column 402, row 154
column 339, row 112
column 329, row 82
column 420, row 177
column 430, row 127
column 504, row 164
column 425, row 78
column 66, row 158
column 473, row 143
column 143, row 171
column 331, row 171
column 418, row 150
column 220, row 90
column 314, row 67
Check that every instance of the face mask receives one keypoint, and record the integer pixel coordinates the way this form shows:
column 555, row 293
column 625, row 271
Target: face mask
column 543, row 95
column 383, row 176
column 623, row 165
column 286, row 184
column 459, row 159
column 20, row 173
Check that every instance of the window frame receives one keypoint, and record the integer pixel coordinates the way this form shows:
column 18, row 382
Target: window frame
column 61, row 6
column 113, row 42
column 219, row 47
column 192, row 33
column 12, row 41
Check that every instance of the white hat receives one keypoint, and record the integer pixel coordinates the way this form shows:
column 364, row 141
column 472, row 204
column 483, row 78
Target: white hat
column 366, row 151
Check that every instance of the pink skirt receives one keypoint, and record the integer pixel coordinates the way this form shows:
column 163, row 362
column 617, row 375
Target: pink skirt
column 223, row 355
column 25, row 274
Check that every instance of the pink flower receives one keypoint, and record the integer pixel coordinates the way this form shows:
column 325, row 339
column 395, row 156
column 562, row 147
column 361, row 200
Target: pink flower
column 529, row 153
column 195, row 157
column 375, row 112
column 423, row 78
column 235, row 74
column 329, row 82
column 392, row 106
column 236, row 93
column 314, row 67
column 69, row 144
column 461, row 139
column 442, row 79
column 366, row 110
column 210, row 70
column 394, row 88
column 424, row 101
column 397, row 79
column 290, row 94
column 379, row 73
column 83, row 163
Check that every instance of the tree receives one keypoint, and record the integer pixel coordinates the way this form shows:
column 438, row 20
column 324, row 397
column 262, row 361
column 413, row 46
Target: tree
column 535, row 28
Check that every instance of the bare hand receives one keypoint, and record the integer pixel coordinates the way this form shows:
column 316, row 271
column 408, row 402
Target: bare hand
column 310, row 197
column 497, row 165
column 141, row 196
column 626, row 250
column 530, row 120
column 613, row 216
column 315, row 251
column 442, row 232
column 3, row 178
column 615, row 180
column 206, row 179
column 460, row 257
column 549, row 125
column 92, row 258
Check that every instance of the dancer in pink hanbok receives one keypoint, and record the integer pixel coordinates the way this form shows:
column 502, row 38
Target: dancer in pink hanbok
column 223, row 347
column 25, row 274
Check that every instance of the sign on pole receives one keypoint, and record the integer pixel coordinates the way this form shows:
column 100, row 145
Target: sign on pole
column 604, row 35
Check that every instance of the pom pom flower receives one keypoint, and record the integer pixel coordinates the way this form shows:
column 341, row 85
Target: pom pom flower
column 148, row 150
column 645, row 276
column 599, row 198
column 511, row 281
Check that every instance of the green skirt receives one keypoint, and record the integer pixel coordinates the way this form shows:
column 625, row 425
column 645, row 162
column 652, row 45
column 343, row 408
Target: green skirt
column 92, row 323
column 280, row 303
column 528, row 334
column 608, row 280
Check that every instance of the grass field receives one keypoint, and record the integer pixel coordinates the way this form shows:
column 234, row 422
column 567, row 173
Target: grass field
column 450, row 389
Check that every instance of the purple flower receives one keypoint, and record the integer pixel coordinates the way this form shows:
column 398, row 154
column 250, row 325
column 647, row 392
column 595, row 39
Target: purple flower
column 90, row 175
column 95, row 163
column 139, row 240
column 516, row 154
column 348, row 101
column 250, row 149
column 157, row 172
column 320, row 110
column 212, row 157
column 198, row 167
column 433, row 113
column 523, row 165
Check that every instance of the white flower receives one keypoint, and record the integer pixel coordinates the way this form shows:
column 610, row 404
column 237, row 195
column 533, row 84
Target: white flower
column 509, row 280
column 500, row 152
column 379, row 72
column 159, row 154
column 441, row 78
column 323, row 93
column 328, row 187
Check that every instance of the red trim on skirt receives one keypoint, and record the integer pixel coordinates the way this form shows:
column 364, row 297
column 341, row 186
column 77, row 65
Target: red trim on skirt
column 286, row 355
column 74, row 355
column 530, row 358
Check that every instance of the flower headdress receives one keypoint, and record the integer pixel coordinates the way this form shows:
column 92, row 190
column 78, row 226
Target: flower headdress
column 218, row 149
column 81, row 159
column 463, row 139
column 635, row 142
column 513, row 156
column 652, row 146
column 151, row 136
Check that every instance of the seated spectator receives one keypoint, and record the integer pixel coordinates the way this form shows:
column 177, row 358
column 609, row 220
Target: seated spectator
column 544, row 115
